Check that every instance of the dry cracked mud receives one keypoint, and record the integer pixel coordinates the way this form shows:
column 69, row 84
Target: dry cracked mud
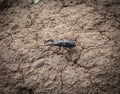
column 29, row 67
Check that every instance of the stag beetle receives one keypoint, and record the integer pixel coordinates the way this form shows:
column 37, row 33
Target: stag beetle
column 61, row 43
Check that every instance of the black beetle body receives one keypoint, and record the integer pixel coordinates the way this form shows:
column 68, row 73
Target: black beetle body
column 61, row 43
column 64, row 43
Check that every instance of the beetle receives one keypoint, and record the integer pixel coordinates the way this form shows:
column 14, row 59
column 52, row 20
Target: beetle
column 61, row 43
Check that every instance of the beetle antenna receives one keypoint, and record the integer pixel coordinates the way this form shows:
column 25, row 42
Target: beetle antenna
column 50, row 35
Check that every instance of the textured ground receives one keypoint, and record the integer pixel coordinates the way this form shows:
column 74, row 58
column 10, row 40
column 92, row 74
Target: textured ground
column 29, row 67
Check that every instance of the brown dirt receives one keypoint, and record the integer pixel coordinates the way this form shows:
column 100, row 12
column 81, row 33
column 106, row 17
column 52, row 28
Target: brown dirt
column 29, row 67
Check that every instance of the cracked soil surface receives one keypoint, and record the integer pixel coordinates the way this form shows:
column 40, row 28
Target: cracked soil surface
column 29, row 67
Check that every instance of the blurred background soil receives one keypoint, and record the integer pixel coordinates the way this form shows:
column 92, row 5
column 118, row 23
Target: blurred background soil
column 29, row 67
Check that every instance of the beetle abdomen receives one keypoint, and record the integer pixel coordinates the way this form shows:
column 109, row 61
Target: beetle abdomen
column 65, row 43
column 69, row 44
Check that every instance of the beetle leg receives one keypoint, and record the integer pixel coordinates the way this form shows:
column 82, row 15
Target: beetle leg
column 48, row 40
column 66, row 48
column 49, row 45
column 59, row 48
column 45, row 43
